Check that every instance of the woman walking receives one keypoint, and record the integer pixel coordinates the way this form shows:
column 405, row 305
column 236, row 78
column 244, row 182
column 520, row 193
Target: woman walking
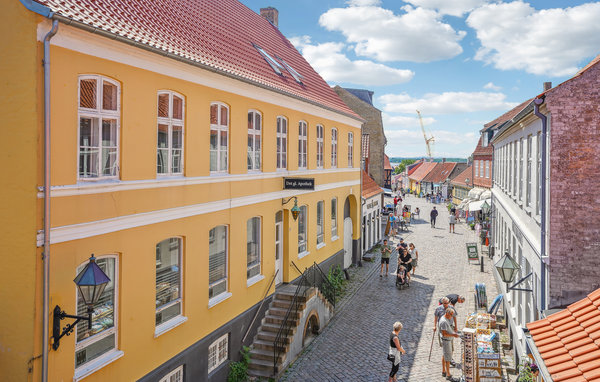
column 452, row 221
column 414, row 254
column 395, row 350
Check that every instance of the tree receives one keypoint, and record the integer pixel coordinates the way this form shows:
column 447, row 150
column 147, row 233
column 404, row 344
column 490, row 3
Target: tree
column 402, row 166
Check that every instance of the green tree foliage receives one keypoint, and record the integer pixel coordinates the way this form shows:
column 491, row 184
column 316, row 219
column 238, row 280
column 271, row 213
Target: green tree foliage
column 402, row 166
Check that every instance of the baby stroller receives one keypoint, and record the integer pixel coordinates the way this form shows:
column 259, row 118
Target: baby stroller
column 402, row 277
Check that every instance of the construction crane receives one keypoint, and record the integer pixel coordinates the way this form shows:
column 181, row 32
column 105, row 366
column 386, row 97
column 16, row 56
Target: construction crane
column 428, row 141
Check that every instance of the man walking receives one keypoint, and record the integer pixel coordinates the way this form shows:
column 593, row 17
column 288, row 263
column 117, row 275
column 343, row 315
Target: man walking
column 433, row 215
column 386, row 252
column 447, row 333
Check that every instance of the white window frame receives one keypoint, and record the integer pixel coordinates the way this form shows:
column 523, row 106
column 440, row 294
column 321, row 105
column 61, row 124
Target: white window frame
column 521, row 167
column 320, row 222
column 334, row 219
column 259, row 254
column 220, row 357
column 302, row 145
column 79, row 345
column 254, row 133
column 219, row 128
column 221, row 296
column 487, row 169
column 166, row 325
column 303, row 244
column 334, row 147
column 282, row 141
column 99, row 114
column 481, row 169
column 539, row 173
column 320, row 146
column 177, row 373
column 350, row 150
column 170, row 121
column 529, row 170
column 476, row 168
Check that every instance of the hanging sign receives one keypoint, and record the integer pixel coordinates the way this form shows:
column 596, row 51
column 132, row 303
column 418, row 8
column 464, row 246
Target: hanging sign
column 298, row 183
column 472, row 251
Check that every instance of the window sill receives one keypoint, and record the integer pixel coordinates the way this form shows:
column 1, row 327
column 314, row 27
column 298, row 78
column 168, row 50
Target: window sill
column 171, row 324
column 97, row 364
column 220, row 298
column 303, row 254
column 253, row 280
column 320, row 245
column 169, row 176
column 334, row 238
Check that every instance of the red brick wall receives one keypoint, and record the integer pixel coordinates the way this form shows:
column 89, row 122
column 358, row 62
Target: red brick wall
column 574, row 236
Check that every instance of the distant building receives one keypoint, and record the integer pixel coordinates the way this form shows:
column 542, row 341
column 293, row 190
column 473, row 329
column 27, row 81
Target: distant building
column 418, row 175
column 438, row 178
column 461, row 184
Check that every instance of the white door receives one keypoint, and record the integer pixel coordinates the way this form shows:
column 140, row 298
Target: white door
column 279, row 252
column 347, row 242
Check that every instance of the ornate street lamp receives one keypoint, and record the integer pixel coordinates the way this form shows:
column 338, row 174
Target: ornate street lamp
column 507, row 268
column 295, row 210
column 90, row 282
column 485, row 208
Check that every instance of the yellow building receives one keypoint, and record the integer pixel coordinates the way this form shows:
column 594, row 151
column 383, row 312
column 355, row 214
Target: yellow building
column 172, row 132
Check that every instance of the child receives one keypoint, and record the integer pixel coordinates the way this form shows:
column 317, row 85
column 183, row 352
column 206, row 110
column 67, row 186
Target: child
column 401, row 273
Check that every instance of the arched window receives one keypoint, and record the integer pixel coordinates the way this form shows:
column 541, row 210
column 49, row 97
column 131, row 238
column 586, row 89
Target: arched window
column 169, row 277
column 302, row 145
column 281, row 143
column 219, row 131
column 334, row 147
column 99, row 119
column 254, row 140
column 170, row 133
column 319, row 146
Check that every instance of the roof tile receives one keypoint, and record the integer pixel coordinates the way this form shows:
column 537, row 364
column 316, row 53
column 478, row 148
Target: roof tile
column 561, row 367
column 369, row 186
column 558, row 316
column 592, row 375
column 422, row 171
column 583, row 350
column 440, row 173
column 538, row 324
column 591, row 356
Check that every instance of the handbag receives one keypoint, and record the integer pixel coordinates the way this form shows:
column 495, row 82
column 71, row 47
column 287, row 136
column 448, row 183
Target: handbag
column 391, row 356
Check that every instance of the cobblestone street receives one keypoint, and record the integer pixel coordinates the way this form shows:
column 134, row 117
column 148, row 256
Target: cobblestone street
column 354, row 345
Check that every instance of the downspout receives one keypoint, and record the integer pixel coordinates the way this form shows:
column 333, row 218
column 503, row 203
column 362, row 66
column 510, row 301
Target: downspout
column 536, row 110
column 46, row 255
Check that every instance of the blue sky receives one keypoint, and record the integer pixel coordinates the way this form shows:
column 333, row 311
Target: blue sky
column 462, row 63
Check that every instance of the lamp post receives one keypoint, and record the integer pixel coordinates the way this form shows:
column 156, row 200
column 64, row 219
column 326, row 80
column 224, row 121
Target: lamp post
column 90, row 282
column 295, row 210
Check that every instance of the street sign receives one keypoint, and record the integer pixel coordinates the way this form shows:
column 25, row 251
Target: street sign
column 472, row 251
column 298, row 183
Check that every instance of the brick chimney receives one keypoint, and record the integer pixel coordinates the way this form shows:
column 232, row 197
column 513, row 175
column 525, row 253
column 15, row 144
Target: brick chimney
column 270, row 14
column 547, row 85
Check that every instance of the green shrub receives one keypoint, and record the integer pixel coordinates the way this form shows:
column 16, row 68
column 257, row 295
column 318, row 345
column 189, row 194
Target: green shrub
column 337, row 282
column 525, row 373
column 238, row 371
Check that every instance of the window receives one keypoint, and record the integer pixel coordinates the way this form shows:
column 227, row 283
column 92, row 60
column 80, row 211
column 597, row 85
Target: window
column 254, row 137
column 521, row 175
column 217, row 261
column 276, row 66
column 92, row 343
column 302, row 147
column 333, row 147
column 481, row 168
column 529, row 159
column 302, row 230
column 173, row 376
column 487, row 169
column 219, row 130
column 253, row 247
column 168, row 279
column 333, row 217
column 350, row 149
column 515, row 176
column 218, row 352
column 170, row 133
column 281, row 143
column 476, row 168
column 319, row 146
column 320, row 222
column 539, row 173
column 99, row 116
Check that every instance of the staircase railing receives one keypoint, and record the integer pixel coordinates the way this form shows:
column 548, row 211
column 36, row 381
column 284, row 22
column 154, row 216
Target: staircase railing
column 286, row 326
column 323, row 284
column 260, row 307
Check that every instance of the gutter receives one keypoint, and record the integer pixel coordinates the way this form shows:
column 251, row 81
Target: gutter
column 537, row 103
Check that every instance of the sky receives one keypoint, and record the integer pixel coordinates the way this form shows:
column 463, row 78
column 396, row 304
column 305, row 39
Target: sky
column 461, row 63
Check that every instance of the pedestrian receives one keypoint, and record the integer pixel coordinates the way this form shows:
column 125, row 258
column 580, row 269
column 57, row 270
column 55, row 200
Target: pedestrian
column 433, row 215
column 439, row 312
column 452, row 222
column 454, row 299
column 457, row 214
column 414, row 254
column 402, row 244
column 395, row 202
column 386, row 252
column 447, row 334
column 393, row 224
column 404, row 259
column 395, row 351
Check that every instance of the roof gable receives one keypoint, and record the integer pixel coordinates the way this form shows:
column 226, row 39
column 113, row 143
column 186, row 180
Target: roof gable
column 218, row 34
column 422, row 171
column 480, row 150
column 440, row 172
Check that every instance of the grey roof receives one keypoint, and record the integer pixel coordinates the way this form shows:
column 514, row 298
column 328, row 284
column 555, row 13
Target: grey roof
column 363, row 94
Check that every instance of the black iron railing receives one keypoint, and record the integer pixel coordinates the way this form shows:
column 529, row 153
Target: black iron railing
column 321, row 282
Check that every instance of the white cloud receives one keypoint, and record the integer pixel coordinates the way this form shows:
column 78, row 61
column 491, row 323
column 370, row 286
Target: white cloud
column 335, row 67
column 491, row 86
column 417, row 35
column 452, row 8
column 445, row 103
column 363, row 3
column 550, row 42
column 400, row 121
column 410, row 142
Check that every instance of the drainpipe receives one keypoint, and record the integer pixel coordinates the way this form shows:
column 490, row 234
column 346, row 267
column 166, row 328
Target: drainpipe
column 46, row 255
column 536, row 110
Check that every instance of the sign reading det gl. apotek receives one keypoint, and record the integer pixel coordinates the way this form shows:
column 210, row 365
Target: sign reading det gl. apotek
column 298, row 183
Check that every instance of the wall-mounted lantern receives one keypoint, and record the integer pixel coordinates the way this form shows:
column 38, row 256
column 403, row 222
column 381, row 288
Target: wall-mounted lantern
column 295, row 210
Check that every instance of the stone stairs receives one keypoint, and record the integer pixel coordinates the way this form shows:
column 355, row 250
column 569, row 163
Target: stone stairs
column 262, row 351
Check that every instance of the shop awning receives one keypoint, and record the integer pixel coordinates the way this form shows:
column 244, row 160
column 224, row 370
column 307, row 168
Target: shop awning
column 474, row 193
column 487, row 194
column 476, row 206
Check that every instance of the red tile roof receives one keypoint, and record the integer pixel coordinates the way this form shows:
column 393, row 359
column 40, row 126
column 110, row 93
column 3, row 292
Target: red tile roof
column 440, row 172
column 569, row 341
column 386, row 163
column 369, row 187
column 422, row 171
column 508, row 115
column 461, row 179
column 415, row 165
column 217, row 34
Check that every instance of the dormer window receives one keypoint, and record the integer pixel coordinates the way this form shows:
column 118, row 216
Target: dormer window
column 276, row 66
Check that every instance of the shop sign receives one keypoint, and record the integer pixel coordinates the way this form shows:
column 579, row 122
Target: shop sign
column 298, row 183
column 472, row 251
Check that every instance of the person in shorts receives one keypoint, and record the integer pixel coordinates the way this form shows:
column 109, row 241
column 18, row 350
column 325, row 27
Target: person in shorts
column 447, row 333
column 452, row 222
column 386, row 252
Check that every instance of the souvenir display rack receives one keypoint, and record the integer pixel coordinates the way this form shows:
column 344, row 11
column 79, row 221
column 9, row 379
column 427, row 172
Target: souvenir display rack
column 468, row 354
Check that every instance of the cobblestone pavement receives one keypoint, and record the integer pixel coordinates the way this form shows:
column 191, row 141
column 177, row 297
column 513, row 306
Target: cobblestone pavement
column 353, row 346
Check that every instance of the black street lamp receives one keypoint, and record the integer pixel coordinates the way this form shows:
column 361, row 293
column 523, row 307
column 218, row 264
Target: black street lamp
column 90, row 282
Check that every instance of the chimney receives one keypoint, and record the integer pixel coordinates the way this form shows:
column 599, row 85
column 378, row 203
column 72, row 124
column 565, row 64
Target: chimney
column 443, row 160
column 547, row 85
column 270, row 14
